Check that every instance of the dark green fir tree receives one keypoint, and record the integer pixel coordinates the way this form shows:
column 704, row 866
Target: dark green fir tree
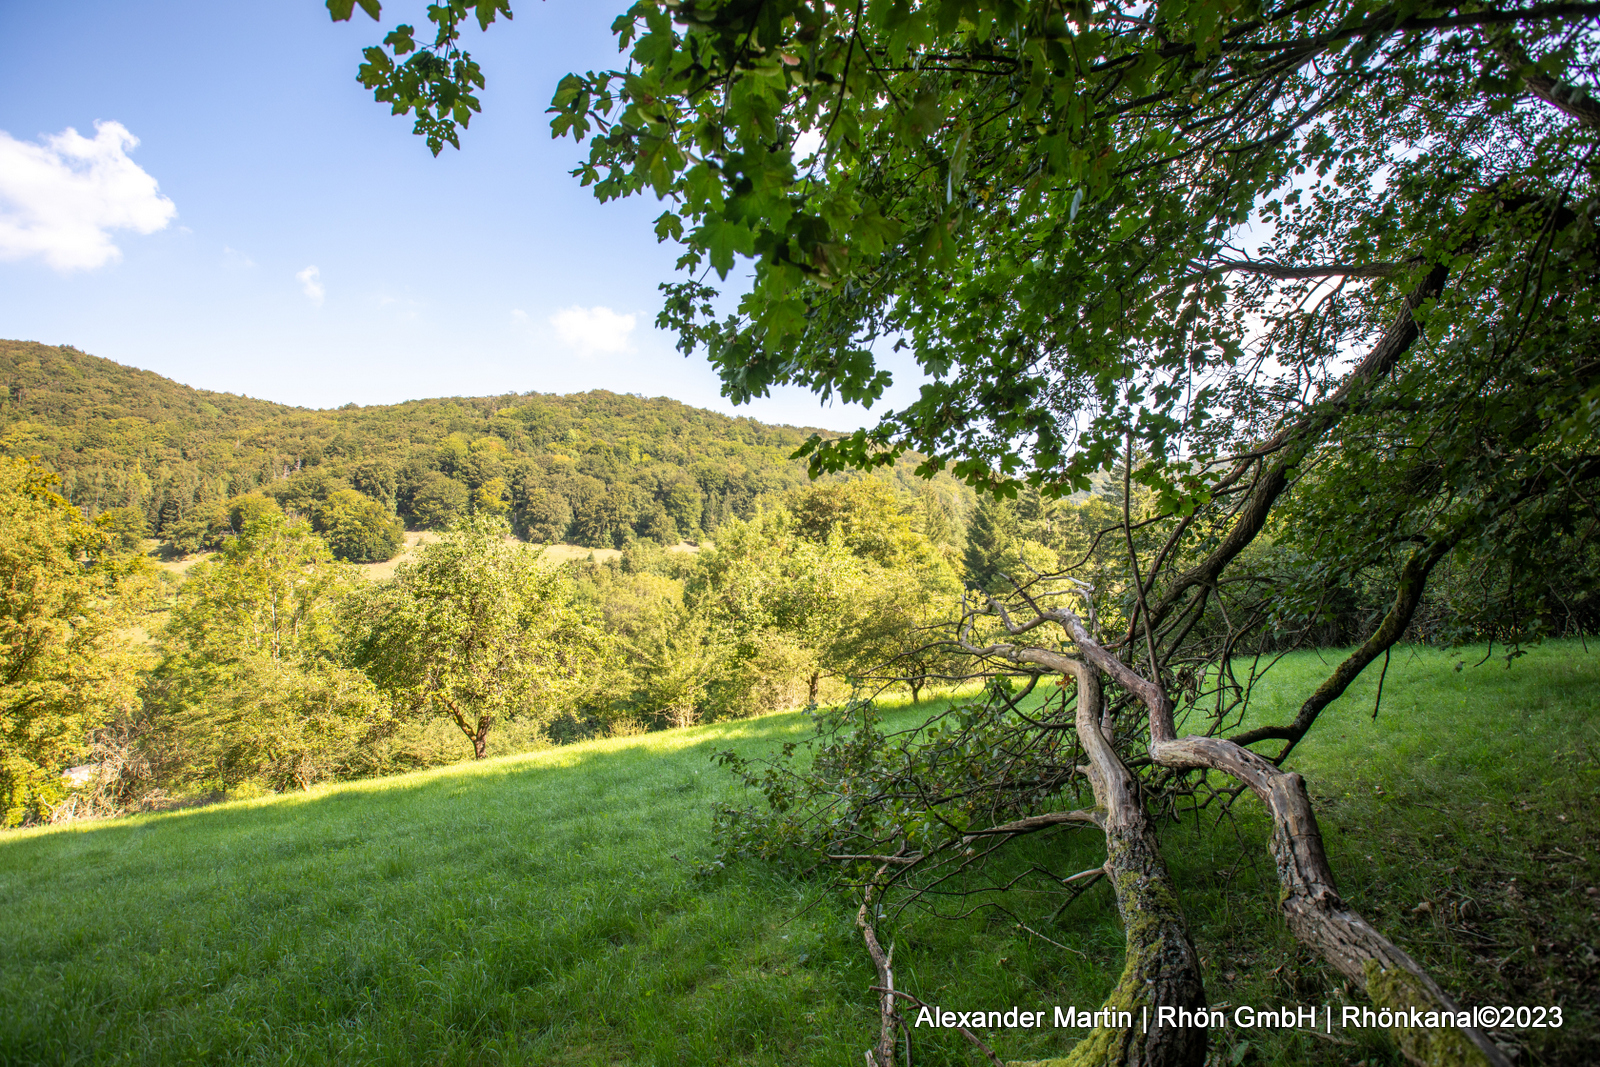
column 990, row 537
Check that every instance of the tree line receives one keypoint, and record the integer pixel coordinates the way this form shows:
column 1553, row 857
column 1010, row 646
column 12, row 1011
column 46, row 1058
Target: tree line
column 273, row 664
column 596, row 469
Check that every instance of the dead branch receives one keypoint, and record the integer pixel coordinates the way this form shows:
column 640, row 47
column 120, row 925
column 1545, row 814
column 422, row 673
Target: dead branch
column 883, row 1054
column 968, row 1034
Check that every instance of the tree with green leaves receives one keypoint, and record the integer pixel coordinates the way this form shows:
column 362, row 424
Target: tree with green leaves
column 888, row 631
column 437, row 500
column 357, row 528
column 270, row 591
column 251, row 688
column 125, row 528
column 475, row 629
column 541, row 515
column 668, row 660
column 830, row 589
column 1322, row 276
column 65, row 665
column 781, row 604
column 938, row 518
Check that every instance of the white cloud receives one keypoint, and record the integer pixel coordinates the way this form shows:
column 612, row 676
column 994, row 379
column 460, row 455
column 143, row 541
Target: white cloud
column 592, row 330
column 234, row 259
column 310, row 281
column 60, row 198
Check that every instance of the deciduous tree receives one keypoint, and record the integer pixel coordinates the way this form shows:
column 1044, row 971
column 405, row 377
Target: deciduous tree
column 357, row 528
column 477, row 630
column 65, row 669
column 251, row 688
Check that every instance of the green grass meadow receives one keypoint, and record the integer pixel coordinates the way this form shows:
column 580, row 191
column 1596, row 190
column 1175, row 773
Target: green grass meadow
column 545, row 908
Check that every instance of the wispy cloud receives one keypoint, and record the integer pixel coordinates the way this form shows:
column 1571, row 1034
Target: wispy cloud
column 310, row 281
column 60, row 198
column 234, row 259
column 593, row 330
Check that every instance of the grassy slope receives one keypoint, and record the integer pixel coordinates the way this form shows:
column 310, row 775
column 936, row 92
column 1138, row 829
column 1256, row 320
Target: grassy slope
column 542, row 909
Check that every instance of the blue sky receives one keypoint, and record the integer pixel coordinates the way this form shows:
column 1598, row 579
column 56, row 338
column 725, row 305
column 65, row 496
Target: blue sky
column 483, row 271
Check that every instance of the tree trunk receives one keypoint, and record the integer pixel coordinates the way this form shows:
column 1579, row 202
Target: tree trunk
column 816, row 679
column 1311, row 904
column 480, row 740
column 475, row 737
column 1161, row 969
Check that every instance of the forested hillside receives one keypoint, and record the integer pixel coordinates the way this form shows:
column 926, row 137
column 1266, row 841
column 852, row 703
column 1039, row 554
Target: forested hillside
column 272, row 663
column 598, row 469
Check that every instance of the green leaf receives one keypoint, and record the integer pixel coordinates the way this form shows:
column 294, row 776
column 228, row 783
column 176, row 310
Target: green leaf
column 342, row 10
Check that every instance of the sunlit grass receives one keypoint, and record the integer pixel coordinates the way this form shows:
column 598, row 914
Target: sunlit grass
column 544, row 909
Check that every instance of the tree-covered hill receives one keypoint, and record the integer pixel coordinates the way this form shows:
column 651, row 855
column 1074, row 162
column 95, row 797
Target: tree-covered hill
column 596, row 468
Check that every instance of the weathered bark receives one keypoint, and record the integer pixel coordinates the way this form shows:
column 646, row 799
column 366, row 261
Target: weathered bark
column 882, row 1054
column 1161, row 965
column 1310, row 900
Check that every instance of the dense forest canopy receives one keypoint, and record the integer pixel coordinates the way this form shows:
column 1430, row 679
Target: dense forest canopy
column 598, row 469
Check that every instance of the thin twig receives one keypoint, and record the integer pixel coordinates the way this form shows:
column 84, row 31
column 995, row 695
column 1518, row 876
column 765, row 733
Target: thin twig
column 985, row 1049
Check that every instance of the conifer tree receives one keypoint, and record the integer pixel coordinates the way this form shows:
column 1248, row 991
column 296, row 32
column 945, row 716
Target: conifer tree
column 992, row 534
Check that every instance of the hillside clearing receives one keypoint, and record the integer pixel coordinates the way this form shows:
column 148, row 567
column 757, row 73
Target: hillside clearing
column 556, row 554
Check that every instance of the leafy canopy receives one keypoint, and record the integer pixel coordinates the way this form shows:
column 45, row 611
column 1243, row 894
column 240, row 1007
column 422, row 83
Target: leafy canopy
column 1045, row 202
column 1049, row 203
column 65, row 667
column 438, row 79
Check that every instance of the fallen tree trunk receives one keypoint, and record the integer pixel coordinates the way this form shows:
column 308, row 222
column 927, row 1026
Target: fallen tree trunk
column 1310, row 900
column 1161, row 967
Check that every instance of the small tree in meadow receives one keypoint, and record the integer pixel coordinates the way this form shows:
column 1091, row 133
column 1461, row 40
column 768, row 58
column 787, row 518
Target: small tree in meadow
column 358, row 528
column 476, row 629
